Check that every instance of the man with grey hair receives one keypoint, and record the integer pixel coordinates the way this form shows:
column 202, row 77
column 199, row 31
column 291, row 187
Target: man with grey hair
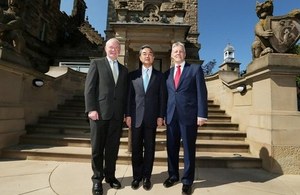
column 186, row 110
column 105, row 99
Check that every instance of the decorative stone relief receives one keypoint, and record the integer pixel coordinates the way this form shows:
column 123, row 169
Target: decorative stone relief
column 155, row 12
column 151, row 14
column 135, row 5
column 136, row 18
column 274, row 33
column 170, row 6
column 121, row 5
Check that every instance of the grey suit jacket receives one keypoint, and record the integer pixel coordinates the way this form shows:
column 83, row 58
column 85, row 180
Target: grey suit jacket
column 101, row 93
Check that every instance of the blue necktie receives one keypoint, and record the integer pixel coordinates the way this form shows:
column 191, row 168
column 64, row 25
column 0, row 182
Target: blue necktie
column 146, row 80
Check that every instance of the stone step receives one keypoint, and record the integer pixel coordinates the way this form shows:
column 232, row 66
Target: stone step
column 69, row 129
column 56, row 113
column 83, row 123
column 161, row 133
column 84, row 141
column 216, row 133
column 83, row 154
column 81, row 108
column 64, row 135
column 77, row 117
column 79, row 100
column 213, row 114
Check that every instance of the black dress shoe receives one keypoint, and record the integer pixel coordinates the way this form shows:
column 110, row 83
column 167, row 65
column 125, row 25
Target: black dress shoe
column 135, row 184
column 186, row 189
column 113, row 182
column 97, row 189
column 147, row 184
column 170, row 182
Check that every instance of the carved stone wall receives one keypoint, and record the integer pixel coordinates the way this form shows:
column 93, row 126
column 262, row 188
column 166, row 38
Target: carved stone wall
column 132, row 20
column 157, row 11
column 52, row 35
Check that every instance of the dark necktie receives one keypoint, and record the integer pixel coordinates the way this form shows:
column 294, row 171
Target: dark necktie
column 177, row 76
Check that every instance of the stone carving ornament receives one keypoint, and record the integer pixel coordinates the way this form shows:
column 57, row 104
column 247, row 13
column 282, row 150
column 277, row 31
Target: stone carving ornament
column 11, row 27
column 151, row 14
column 142, row 11
column 274, row 33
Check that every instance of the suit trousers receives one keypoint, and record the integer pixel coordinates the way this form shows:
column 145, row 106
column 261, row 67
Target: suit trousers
column 143, row 150
column 176, row 131
column 105, row 141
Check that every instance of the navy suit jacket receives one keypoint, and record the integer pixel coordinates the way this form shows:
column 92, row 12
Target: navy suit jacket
column 146, row 106
column 190, row 98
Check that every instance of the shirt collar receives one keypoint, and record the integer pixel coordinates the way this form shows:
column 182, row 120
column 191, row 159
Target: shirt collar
column 144, row 68
column 181, row 65
column 110, row 60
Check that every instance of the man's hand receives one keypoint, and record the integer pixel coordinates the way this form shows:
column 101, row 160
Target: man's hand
column 160, row 122
column 201, row 121
column 128, row 121
column 93, row 115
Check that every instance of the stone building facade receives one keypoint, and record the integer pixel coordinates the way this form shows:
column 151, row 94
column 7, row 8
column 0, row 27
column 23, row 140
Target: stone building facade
column 52, row 36
column 158, row 23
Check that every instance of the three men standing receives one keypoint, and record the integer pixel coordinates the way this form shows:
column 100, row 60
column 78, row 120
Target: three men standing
column 184, row 89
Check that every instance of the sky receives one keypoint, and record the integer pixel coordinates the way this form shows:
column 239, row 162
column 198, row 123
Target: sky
column 220, row 22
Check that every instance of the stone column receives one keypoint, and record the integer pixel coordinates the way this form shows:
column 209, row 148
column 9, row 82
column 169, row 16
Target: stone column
column 274, row 121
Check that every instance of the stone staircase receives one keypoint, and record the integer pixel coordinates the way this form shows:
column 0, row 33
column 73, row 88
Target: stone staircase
column 64, row 136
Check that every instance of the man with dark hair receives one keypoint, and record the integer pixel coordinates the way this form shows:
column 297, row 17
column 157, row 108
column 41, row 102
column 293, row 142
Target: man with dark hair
column 146, row 104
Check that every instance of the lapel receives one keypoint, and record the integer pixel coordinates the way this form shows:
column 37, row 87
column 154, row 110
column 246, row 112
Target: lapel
column 120, row 72
column 138, row 81
column 152, row 78
column 171, row 78
column 109, row 70
column 182, row 77
column 183, row 74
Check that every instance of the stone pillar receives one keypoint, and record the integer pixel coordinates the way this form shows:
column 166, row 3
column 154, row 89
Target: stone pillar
column 122, row 39
column 274, row 121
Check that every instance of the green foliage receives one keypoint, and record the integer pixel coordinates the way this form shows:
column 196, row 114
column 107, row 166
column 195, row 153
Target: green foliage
column 295, row 49
column 298, row 80
column 207, row 68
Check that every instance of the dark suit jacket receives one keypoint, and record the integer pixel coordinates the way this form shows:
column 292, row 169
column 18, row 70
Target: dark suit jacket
column 101, row 92
column 146, row 106
column 190, row 98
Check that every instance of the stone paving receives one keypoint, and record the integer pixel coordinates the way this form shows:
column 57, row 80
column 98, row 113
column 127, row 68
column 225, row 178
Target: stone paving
column 64, row 178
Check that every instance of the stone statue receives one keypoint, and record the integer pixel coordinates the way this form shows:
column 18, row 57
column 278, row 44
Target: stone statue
column 274, row 33
column 11, row 28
